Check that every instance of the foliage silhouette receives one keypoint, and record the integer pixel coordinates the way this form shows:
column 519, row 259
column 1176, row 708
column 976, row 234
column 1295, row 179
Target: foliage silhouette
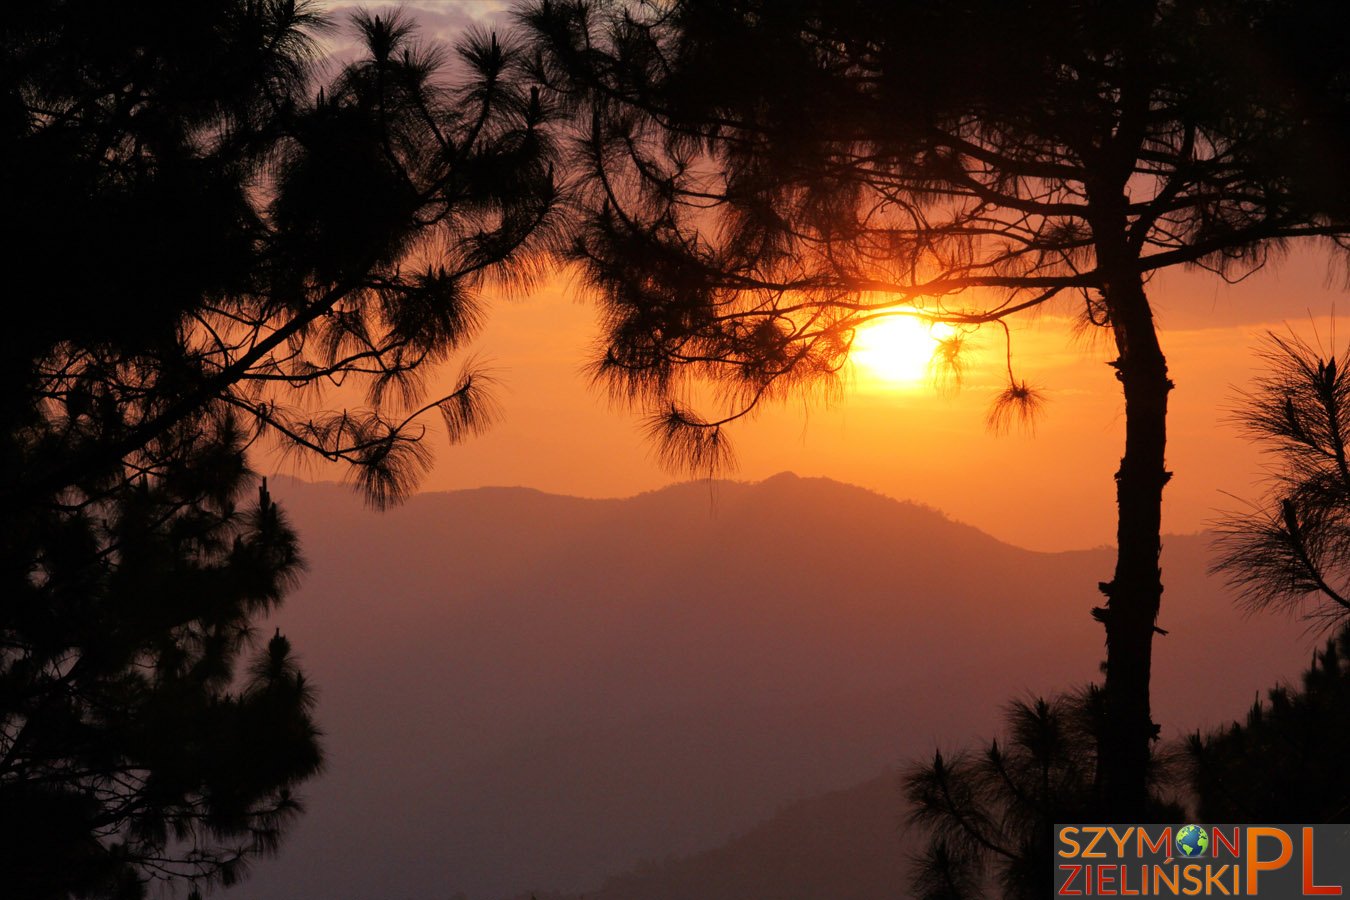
column 242, row 245
column 990, row 814
column 1292, row 551
column 1287, row 762
column 210, row 238
column 129, row 749
column 762, row 179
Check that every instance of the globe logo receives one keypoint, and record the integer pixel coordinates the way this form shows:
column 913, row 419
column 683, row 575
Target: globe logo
column 1192, row 840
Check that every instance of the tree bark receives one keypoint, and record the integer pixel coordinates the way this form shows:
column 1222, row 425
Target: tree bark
column 1134, row 593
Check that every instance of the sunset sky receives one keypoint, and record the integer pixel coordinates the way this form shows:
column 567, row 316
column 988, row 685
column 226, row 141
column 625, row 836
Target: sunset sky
column 348, row 550
column 1051, row 490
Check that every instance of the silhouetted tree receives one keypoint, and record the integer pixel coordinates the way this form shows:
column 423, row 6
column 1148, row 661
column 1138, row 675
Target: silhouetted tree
column 763, row 178
column 205, row 238
column 1292, row 551
column 206, row 226
column 132, row 747
column 1287, row 762
column 990, row 814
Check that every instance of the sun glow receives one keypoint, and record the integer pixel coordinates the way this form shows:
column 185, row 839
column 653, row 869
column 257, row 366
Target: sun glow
column 898, row 350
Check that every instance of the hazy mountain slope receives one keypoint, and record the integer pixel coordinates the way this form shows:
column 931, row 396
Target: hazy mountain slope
column 529, row 691
column 842, row 845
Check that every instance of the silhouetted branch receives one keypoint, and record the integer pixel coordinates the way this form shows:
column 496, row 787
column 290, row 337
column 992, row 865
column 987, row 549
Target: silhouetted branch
column 1294, row 548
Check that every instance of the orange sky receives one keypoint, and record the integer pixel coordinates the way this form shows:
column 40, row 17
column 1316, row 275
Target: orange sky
column 1050, row 491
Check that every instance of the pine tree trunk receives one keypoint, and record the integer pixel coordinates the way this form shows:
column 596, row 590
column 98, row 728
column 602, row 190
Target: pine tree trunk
column 1134, row 593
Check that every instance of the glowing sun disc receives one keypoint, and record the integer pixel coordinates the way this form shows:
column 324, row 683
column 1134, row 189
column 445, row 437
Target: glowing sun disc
column 899, row 349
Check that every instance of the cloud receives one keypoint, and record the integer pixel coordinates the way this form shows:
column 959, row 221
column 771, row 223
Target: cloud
column 438, row 22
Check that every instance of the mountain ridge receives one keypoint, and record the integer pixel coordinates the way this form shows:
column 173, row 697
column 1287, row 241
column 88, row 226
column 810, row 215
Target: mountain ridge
column 710, row 490
column 626, row 679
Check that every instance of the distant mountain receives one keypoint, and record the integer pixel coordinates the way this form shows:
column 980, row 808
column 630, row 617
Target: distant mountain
column 531, row 692
column 841, row 845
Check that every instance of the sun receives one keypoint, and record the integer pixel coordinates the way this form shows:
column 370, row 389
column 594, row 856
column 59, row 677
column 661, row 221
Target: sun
column 898, row 350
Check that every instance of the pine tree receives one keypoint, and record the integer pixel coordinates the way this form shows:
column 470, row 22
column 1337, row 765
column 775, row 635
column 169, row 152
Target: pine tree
column 1286, row 762
column 1291, row 550
column 208, row 235
column 764, row 178
column 990, row 813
